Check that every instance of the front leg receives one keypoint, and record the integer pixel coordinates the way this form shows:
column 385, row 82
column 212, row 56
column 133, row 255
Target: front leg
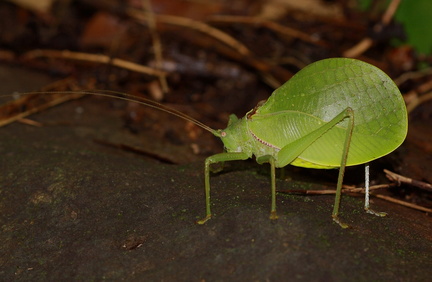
column 271, row 160
column 222, row 157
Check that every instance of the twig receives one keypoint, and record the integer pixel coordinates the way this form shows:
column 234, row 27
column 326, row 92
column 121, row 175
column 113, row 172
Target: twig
column 389, row 13
column 332, row 191
column 403, row 179
column 412, row 98
column 95, row 58
column 418, row 100
column 367, row 42
column 403, row 203
column 22, row 106
column 361, row 190
column 30, row 122
column 13, row 110
column 196, row 25
column 412, row 75
column 270, row 25
column 157, row 45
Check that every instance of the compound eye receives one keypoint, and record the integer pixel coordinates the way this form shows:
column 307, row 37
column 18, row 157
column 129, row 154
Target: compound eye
column 223, row 134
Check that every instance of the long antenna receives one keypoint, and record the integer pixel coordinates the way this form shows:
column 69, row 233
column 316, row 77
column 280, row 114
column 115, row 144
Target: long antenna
column 136, row 99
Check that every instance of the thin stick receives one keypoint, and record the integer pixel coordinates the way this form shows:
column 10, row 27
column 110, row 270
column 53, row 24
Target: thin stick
column 196, row 25
column 418, row 101
column 345, row 189
column 13, row 112
column 95, row 58
column 389, row 13
column 270, row 25
column 403, row 203
column 367, row 42
column 157, row 45
column 360, row 190
column 403, row 179
column 412, row 75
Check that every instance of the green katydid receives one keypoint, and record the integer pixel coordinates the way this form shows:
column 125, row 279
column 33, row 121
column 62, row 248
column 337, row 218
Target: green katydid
column 333, row 113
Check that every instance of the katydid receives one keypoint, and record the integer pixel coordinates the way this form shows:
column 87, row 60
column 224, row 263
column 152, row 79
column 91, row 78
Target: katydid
column 332, row 114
